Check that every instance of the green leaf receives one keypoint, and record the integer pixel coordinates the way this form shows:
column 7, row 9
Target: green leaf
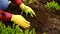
column 21, row 12
column 24, row 1
column 27, row 31
column 18, row 30
column 53, row 5
column 34, row 31
column 31, row 14
column 31, row 1
column 13, row 25
column 26, row 12
column 30, row 32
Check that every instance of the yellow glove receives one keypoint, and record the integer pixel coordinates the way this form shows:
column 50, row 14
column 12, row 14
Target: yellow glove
column 19, row 20
column 27, row 10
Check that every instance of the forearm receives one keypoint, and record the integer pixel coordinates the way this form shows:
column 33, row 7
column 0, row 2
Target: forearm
column 5, row 16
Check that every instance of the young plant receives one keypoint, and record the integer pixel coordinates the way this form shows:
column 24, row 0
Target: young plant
column 53, row 5
column 15, row 30
column 24, row 1
column 29, row 1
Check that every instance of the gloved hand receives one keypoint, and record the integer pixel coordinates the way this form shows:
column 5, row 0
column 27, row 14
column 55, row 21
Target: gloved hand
column 17, row 19
column 20, row 20
column 25, row 8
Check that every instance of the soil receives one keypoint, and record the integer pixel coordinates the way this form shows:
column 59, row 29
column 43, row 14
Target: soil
column 47, row 20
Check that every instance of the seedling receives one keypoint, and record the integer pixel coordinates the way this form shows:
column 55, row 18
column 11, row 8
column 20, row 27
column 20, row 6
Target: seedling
column 53, row 5
column 14, row 30
column 29, row 1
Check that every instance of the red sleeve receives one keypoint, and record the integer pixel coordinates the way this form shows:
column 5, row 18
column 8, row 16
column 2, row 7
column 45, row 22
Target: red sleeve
column 18, row 2
column 5, row 16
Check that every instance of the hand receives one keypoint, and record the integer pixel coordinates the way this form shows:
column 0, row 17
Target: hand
column 19, row 20
column 27, row 10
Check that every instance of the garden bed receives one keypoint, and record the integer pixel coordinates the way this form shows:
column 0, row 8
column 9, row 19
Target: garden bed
column 47, row 21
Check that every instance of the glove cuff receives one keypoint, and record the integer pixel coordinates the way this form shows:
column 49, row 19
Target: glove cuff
column 22, row 6
column 5, row 16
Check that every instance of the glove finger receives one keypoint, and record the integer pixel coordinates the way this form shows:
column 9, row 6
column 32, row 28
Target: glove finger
column 27, row 22
column 22, row 24
column 22, row 18
column 32, row 12
column 25, row 25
